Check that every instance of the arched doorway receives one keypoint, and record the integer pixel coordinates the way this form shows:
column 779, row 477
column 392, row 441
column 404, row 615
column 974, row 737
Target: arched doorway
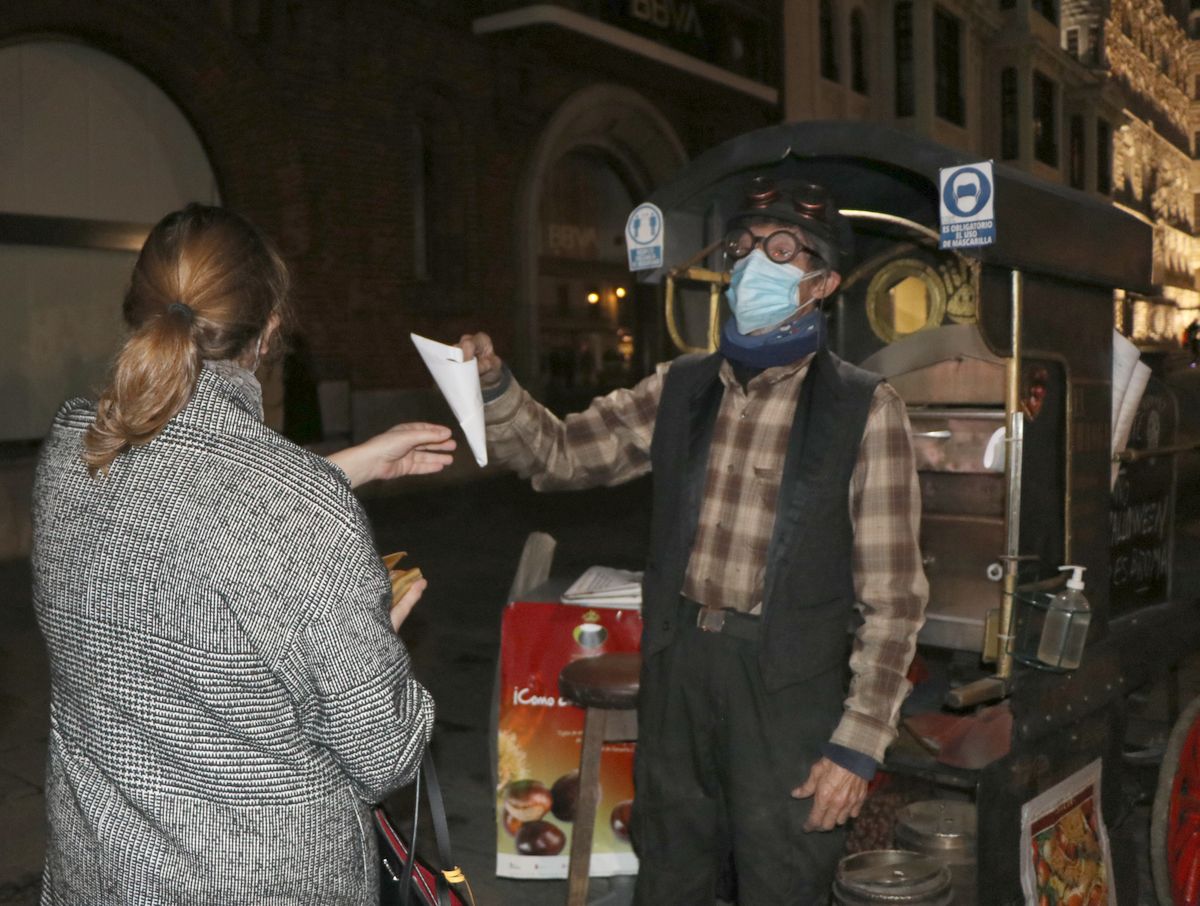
column 92, row 154
column 584, row 325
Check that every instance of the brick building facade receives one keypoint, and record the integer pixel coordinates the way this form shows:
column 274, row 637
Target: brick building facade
column 398, row 151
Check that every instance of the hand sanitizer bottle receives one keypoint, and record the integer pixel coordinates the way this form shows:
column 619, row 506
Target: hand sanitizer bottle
column 1066, row 627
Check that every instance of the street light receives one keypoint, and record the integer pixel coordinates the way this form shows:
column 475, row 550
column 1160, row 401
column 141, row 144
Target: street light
column 593, row 298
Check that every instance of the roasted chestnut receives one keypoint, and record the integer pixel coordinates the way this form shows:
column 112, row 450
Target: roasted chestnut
column 540, row 838
column 526, row 800
column 620, row 818
column 565, row 796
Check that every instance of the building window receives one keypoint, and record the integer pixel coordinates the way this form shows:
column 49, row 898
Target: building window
column 1076, row 152
column 829, row 66
column 1045, row 124
column 947, row 56
column 1048, row 9
column 1010, row 136
column 858, row 52
column 1093, row 48
column 1008, row 4
column 1073, row 41
column 1103, row 157
column 903, row 28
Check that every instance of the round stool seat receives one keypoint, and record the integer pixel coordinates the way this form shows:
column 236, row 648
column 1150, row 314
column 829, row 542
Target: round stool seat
column 608, row 681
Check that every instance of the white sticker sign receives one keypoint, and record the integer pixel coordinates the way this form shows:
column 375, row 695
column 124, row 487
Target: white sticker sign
column 967, row 202
column 644, row 237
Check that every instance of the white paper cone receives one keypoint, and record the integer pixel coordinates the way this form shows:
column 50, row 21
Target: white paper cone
column 459, row 383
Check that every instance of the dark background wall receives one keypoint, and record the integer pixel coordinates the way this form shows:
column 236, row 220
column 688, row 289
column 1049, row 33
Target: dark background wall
column 313, row 114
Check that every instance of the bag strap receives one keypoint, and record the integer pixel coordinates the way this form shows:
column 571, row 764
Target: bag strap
column 450, row 874
column 410, row 864
column 441, row 831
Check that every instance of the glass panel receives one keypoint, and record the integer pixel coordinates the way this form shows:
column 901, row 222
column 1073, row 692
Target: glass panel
column 907, row 308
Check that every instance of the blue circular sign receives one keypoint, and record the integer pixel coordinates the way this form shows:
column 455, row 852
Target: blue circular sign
column 967, row 192
column 644, row 225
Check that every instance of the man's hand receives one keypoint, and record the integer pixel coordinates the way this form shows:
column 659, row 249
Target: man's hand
column 837, row 794
column 403, row 607
column 478, row 346
column 414, row 448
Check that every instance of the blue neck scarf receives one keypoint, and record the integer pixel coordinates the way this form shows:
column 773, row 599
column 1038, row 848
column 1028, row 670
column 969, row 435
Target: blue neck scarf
column 790, row 343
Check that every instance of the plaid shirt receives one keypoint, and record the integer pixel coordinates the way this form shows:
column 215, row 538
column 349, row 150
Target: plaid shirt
column 610, row 443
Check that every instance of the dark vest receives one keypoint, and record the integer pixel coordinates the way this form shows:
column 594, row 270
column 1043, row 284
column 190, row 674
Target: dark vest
column 809, row 588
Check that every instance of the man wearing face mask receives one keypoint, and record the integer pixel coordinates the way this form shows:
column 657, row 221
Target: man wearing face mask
column 786, row 507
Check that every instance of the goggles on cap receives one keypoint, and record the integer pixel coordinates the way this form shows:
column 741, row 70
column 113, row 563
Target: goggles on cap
column 780, row 247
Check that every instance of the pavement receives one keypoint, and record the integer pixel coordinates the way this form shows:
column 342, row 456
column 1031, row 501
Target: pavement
column 467, row 539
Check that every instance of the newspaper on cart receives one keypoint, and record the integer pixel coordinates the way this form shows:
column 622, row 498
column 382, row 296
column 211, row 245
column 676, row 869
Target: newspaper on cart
column 604, row 586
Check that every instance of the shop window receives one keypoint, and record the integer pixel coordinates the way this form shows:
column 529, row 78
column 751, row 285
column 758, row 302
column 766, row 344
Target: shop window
column 858, row 52
column 902, row 21
column 829, row 63
column 947, row 56
column 1076, row 153
column 1010, row 136
column 1103, row 157
column 1045, row 121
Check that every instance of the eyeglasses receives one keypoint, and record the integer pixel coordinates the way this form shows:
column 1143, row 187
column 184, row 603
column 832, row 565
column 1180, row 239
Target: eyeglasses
column 781, row 246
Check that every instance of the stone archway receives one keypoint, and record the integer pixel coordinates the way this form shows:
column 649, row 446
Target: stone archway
column 629, row 132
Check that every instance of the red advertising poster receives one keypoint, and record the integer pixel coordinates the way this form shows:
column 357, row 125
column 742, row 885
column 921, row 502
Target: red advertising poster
column 539, row 740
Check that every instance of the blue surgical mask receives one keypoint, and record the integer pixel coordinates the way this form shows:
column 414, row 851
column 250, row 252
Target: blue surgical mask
column 762, row 293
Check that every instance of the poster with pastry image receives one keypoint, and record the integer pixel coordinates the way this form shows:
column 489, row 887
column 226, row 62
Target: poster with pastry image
column 1065, row 855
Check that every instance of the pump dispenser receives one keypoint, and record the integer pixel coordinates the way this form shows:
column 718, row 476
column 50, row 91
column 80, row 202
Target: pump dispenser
column 1067, row 621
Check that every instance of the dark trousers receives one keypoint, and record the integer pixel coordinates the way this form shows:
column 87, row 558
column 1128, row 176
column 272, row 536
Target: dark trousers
column 717, row 759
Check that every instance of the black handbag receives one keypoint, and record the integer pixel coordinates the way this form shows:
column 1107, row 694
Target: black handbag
column 405, row 880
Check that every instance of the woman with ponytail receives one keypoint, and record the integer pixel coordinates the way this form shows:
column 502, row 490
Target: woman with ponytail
column 228, row 692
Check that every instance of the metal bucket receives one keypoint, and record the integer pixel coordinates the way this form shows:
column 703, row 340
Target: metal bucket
column 943, row 829
column 893, row 877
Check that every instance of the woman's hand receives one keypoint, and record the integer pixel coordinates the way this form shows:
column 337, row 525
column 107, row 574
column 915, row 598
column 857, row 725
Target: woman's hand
column 403, row 607
column 478, row 346
column 413, row 448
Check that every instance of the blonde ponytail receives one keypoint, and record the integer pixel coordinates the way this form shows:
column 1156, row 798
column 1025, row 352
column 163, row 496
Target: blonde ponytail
column 205, row 286
column 152, row 379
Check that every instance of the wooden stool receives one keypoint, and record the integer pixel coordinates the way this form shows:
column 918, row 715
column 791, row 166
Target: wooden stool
column 607, row 687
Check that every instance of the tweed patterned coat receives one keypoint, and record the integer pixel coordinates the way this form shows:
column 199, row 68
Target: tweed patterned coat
column 227, row 694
